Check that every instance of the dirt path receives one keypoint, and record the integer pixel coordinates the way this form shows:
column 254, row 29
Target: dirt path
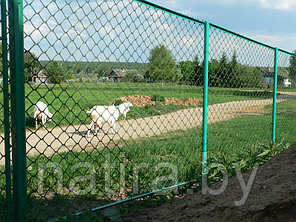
column 61, row 139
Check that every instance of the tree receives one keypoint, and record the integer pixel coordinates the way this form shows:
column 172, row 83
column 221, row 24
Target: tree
column 250, row 76
column 233, row 72
column 163, row 65
column 102, row 71
column 56, row 72
column 187, row 70
column 292, row 68
column 214, row 79
column 198, row 72
column 224, row 71
column 31, row 64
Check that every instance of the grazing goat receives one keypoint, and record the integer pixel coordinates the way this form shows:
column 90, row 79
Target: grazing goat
column 41, row 112
column 100, row 114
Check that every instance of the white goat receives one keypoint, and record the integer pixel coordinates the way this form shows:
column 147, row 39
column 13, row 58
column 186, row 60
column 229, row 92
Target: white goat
column 100, row 114
column 41, row 112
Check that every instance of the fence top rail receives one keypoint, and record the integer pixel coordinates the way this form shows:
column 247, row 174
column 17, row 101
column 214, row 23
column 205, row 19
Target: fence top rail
column 150, row 4
column 145, row 2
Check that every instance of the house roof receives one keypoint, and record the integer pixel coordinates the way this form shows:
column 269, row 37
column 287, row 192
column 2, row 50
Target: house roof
column 269, row 71
column 41, row 73
column 121, row 72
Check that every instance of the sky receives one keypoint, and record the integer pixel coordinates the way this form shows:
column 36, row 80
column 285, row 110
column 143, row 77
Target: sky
column 268, row 21
column 125, row 30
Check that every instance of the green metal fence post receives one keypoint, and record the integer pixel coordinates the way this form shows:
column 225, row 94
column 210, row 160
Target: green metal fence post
column 6, row 110
column 18, row 129
column 274, row 93
column 205, row 99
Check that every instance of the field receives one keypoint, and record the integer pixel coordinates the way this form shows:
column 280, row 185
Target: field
column 240, row 140
column 70, row 101
column 244, row 139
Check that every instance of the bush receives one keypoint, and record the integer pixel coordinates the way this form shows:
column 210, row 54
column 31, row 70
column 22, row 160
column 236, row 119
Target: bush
column 118, row 102
column 56, row 72
column 157, row 98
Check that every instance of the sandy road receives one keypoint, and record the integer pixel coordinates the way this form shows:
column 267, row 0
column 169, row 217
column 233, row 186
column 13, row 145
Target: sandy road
column 60, row 139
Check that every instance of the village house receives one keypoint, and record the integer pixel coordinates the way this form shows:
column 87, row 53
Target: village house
column 117, row 75
column 268, row 77
column 40, row 78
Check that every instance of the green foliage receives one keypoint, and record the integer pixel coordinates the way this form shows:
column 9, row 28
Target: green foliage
column 192, row 72
column 232, row 74
column 118, row 102
column 187, row 70
column 248, row 76
column 102, row 71
column 163, row 65
column 232, row 143
column 157, row 98
column 56, row 72
column 292, row 68
column 31, row 64
column 219, row 72
column 68, row 111
column 138, row 78
column 242, row 142
column 128, row 77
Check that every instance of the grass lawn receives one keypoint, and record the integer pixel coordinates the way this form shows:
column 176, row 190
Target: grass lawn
column 239, row 140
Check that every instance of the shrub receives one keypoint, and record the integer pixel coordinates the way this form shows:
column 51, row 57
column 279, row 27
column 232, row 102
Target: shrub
column 157, row 98
column 118, row 102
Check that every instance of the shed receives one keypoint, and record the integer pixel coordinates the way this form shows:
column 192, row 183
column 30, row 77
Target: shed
column 268, row 76
column 116, row 75
column 40, row 78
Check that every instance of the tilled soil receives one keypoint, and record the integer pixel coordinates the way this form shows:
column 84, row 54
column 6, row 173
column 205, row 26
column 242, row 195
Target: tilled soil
column 272, row 198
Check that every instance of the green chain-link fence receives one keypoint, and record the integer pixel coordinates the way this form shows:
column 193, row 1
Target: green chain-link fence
column 89, row 60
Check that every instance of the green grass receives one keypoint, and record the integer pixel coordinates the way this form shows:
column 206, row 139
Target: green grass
column 244, row 140
column 239, row 140
column 287, row 89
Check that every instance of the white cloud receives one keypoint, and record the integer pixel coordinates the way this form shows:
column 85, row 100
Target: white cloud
column 170, row 3
column 287, row 5
column 189, row 41
column 161, row 26
column 283, row 5
column 269, row 39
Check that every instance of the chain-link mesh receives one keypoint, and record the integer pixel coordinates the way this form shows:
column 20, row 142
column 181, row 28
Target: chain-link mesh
column 109, row 54
column 286, row 112
column 114, row 95
column 239, row 91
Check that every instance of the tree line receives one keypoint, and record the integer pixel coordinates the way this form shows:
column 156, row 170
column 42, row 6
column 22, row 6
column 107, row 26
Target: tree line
column 162, row 66
column 222, row 72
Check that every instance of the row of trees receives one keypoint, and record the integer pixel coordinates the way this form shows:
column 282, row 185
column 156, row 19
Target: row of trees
column 164, row 67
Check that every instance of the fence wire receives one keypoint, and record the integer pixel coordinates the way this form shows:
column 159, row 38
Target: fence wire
column 286, row 111
column 238, row 93
column 85, row 54
column 114, row 97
